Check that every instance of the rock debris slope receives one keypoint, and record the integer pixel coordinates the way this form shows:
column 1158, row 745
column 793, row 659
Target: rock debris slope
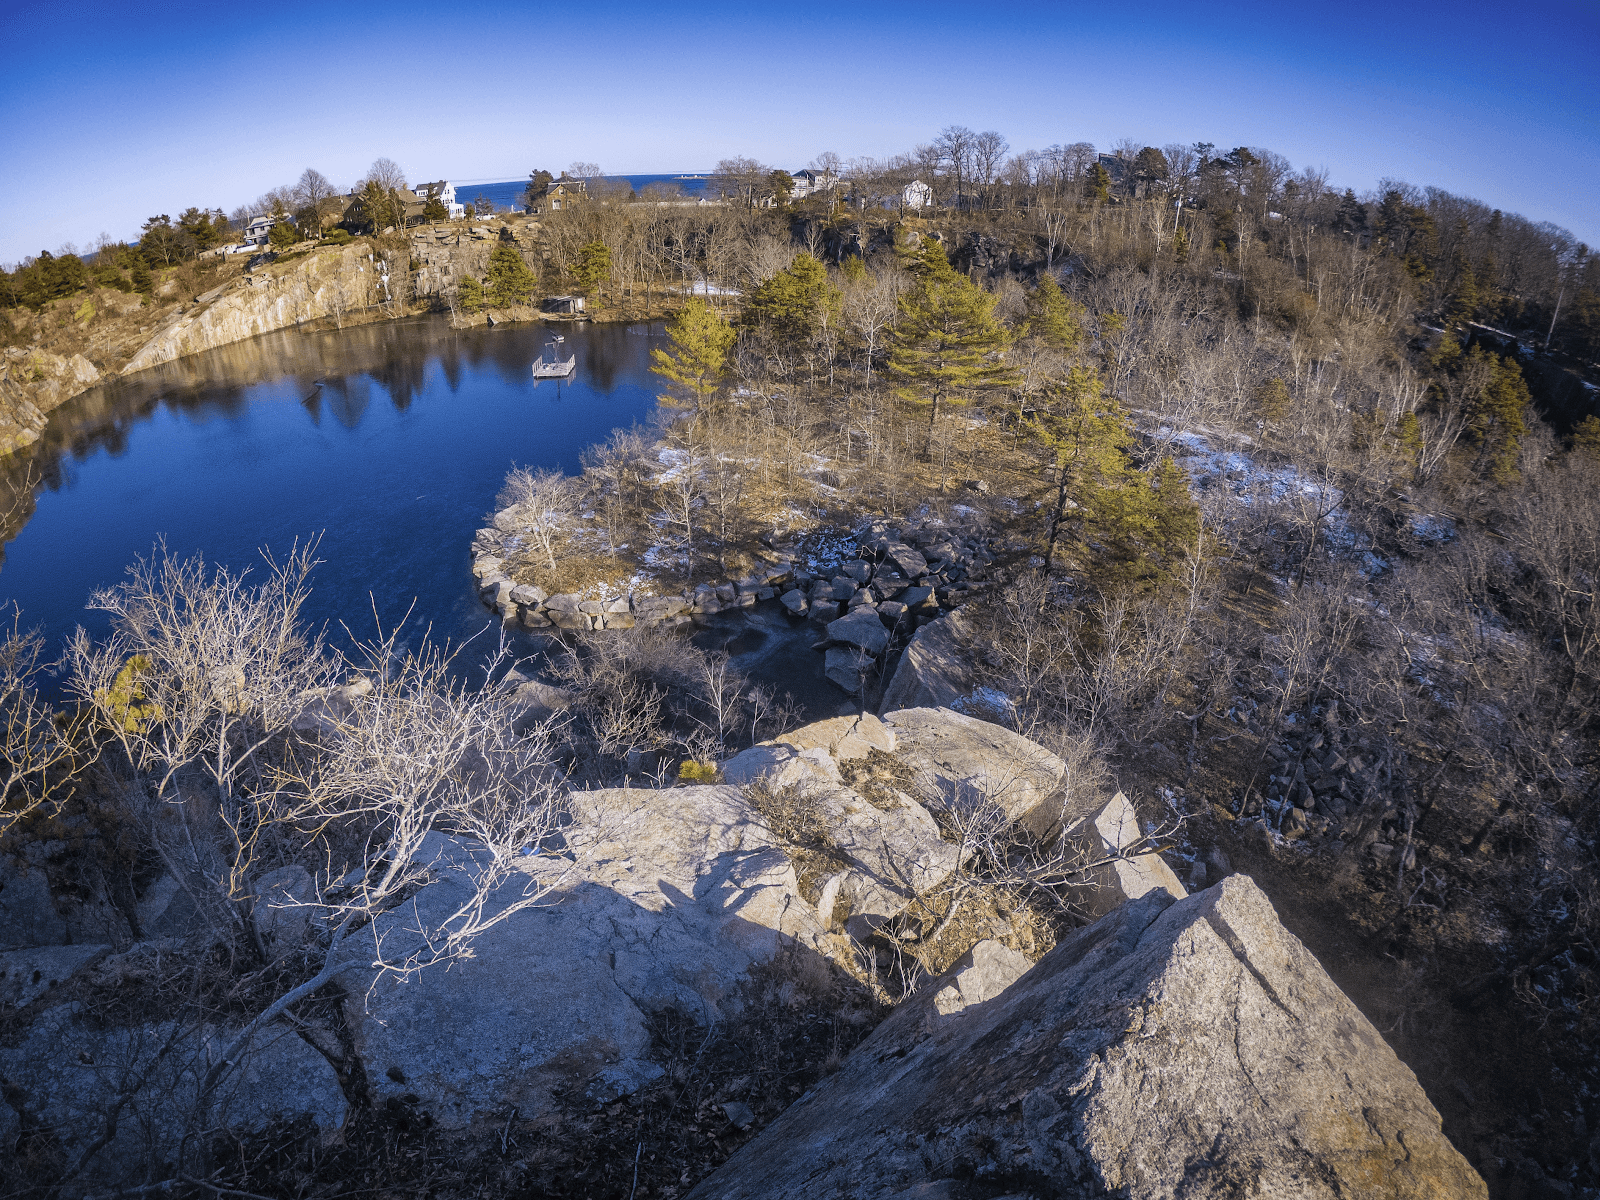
column 1191, row 1048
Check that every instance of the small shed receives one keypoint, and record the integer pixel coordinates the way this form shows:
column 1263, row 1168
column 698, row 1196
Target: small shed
column 564, row 304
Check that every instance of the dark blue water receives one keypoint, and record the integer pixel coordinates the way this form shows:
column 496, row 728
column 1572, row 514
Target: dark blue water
column 389, row 442
column 509, row 194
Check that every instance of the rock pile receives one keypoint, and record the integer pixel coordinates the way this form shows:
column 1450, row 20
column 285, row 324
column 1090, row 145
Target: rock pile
column 1327, row 787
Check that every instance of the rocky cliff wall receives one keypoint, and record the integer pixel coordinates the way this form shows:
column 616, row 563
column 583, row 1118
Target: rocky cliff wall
column 32, row 382
column 332, row 282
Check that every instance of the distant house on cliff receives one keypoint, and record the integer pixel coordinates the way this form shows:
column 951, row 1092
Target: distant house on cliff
column 916, row 195
column 445, row 193
column 411, row 206
column 807, row 183
column 560, row 193
column 257, row 230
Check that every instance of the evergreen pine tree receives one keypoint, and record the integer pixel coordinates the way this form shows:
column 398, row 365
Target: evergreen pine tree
column 593, row 266
column 510, row 282
column 1053, row 319
column 1097, row 185
column 471, row 294
column 947, row 339
column 698, row 357
column 794, row 302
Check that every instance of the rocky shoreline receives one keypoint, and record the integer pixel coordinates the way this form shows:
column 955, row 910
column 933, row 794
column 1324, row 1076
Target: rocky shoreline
column 885, row 584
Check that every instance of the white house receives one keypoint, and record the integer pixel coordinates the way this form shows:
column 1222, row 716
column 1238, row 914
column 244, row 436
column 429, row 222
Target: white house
column 445, row 193
column 808, row 182
column 916, row 195
column 255, row 233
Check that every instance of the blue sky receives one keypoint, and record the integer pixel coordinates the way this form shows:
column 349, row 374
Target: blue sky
column 119, row 111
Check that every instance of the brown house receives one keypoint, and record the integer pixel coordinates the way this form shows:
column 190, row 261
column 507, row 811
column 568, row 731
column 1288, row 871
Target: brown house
column 561, row 193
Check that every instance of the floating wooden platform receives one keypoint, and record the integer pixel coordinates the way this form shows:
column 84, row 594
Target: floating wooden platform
column 555, row 369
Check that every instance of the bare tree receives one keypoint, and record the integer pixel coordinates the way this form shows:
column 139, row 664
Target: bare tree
column 386, row 173
column 541, row 501
column 38, row 745
column 314, row 196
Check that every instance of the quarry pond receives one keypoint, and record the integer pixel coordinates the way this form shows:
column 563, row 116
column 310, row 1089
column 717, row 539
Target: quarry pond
column 387, row 441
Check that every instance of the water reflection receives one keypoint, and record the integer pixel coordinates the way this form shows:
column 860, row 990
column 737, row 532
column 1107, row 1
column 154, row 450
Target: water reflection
column 390, row 439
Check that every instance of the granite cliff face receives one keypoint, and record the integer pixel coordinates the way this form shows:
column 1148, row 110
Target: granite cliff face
column 330, row 283
column 32, row 382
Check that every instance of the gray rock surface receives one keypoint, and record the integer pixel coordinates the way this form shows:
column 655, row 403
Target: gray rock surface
column 935, row 669
column 961, row 761
column 847, row 667
column 28, row 915
column 895, row 854
column 844, row 738
column 980, row 974
column 862, row 629
column 905, row 560
column 1191, row 1048
column 66, row 1073
column 25, row 975
column 1115, row 830
column 281, row 916
column 666, row 898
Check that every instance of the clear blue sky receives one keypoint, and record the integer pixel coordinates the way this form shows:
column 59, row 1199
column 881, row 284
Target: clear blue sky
column 116, row 111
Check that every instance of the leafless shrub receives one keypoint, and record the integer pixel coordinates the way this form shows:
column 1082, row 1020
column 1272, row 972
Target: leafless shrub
column 238, row 752
column 542, row 500
column 39, row 747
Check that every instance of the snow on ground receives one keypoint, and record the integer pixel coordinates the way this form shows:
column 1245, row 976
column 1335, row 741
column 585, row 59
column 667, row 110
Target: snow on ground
column 1249, row 484
column 1433, row 527
column 674, row 461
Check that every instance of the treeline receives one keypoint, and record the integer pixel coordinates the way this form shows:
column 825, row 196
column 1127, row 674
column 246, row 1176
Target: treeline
column 302, row 209
column 1291, row 242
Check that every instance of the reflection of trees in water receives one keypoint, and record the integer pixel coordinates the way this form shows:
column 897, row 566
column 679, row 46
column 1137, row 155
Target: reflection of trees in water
column 326, row 371
column 347, row 399
column 450, row 362
column 611, row 352
column 401, row 376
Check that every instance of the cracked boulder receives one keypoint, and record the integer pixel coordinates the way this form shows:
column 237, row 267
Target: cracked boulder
column 961, row 761
column 1173, row 1048
column 665, row 898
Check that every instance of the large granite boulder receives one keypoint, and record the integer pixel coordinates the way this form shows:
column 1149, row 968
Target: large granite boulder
column 935, row 668
column 845, row 738
column 1186, row 1048
column 861, row 628
column 663, row 898
column 961, row 761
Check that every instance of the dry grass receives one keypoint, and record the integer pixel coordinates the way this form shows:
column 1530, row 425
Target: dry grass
column 802, row 831
column 880, row 779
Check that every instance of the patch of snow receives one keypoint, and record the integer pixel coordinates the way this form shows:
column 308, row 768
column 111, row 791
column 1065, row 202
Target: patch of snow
column 1431, row 527
column 961, row 510
column 985, row 702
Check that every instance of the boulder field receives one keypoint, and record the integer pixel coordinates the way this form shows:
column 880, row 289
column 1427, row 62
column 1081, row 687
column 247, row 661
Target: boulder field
column 1179, row 1045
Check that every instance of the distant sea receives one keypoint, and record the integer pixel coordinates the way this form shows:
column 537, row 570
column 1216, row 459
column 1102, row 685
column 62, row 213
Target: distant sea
column 509, row 193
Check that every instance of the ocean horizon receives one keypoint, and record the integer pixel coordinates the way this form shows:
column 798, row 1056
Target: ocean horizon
column 507, row 194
